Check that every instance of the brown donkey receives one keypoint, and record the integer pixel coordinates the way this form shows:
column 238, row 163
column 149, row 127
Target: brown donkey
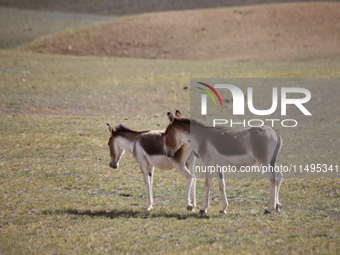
column 225, row 146
column 147, row 147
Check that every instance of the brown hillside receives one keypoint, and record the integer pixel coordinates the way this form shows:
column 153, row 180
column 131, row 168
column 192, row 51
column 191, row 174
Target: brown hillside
column 279, row 32
column 128, row 7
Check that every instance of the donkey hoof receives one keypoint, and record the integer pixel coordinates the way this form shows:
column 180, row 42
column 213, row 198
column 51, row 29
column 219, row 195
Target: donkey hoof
column 203, row 211
column 266, row 212
column 278, row 207
column 221, row 211
column 190, row 208
column 148, row 208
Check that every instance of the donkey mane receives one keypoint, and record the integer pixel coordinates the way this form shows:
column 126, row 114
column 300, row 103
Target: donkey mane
column 195, row 123
column 123, row 129
column 191, row 122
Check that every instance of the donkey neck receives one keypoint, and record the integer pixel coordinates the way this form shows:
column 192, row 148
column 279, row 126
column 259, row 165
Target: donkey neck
column 127, row 140
column 196, row 132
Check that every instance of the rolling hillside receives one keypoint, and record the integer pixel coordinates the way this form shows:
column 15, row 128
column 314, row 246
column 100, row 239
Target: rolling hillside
column 23, row 26
column 127, row 7
column 265, row 33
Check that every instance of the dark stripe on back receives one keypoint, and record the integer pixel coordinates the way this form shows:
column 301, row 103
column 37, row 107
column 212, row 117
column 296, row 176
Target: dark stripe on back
column 152, row 143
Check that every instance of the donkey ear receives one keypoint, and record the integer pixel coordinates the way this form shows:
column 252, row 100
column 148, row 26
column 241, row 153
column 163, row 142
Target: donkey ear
column 178, row 114
column 170, row 117
column 110, row 128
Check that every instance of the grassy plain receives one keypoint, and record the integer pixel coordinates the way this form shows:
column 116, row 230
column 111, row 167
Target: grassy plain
column 59, row 196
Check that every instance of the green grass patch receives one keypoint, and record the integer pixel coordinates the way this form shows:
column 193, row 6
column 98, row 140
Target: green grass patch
column 59, row 196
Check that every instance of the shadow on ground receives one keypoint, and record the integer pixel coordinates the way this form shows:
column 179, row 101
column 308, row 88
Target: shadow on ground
column 126, row 214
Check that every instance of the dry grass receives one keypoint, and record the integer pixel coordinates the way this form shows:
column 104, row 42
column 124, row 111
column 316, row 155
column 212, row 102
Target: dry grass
column 58, row 195
column 268, row 33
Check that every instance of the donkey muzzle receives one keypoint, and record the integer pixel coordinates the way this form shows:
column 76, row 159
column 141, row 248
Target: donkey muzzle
column 113, row 165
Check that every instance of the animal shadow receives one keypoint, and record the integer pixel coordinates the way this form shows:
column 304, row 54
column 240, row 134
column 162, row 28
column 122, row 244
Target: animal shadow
column 115, row 213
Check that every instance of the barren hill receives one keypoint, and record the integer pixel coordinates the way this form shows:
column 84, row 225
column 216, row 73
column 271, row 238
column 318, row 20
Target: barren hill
column 128, row 7
column 277, row 32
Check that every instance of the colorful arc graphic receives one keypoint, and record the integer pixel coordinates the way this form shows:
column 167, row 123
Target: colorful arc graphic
column 209, row 93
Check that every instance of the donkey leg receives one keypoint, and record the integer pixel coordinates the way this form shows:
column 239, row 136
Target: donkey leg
column 191, row 166
column 147, row 180
column 148, row 192
column 278, row 184
column 193, row 192
column 188, row 177
column 208, row 179
column 273, row 192
column 275, row 180
column 151, row 171
column 221, row 185
column 181, row 168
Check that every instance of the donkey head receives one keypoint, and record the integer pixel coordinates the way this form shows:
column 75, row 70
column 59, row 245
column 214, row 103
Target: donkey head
column 173, row 135
column 116, row 152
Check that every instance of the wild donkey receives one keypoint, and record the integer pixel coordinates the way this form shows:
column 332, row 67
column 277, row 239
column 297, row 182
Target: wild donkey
column 224, row 146
column 147, row 147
